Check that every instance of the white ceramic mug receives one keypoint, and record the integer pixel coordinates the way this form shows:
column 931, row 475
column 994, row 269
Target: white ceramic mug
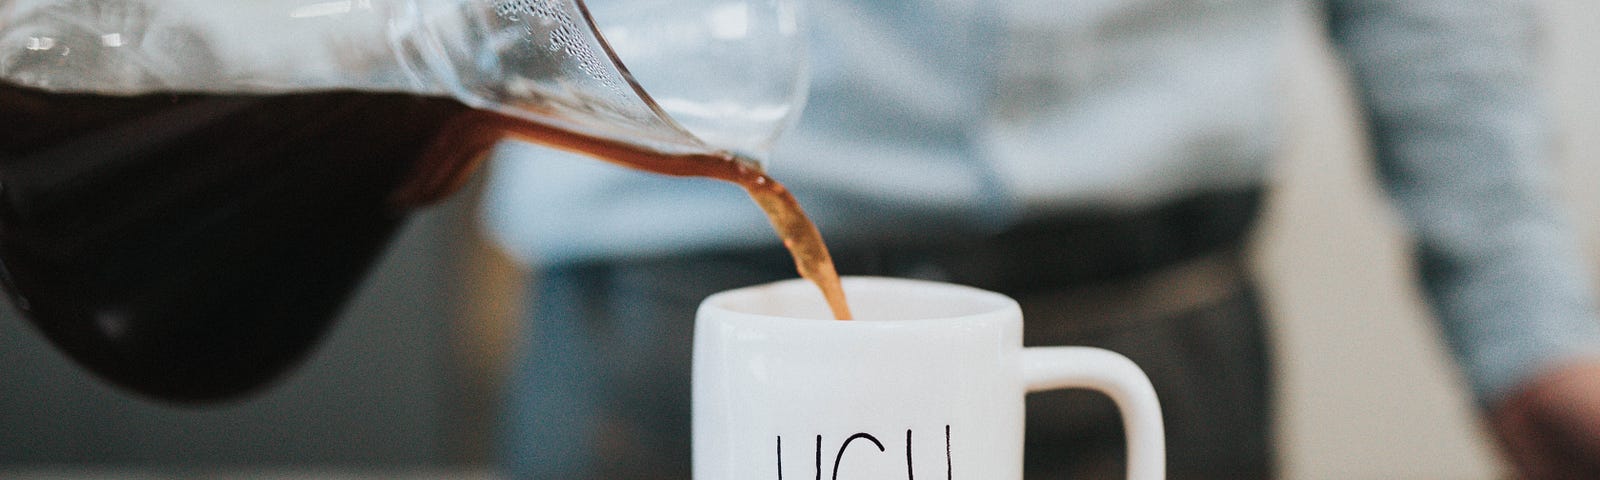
column 927, row 383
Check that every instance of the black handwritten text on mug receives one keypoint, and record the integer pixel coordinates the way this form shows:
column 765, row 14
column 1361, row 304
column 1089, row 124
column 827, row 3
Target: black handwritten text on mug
column 838, row 458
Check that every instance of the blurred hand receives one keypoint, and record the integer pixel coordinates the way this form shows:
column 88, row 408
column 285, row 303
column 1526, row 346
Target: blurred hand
column 1550, row 428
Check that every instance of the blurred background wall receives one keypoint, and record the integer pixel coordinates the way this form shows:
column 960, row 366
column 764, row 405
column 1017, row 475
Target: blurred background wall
column 1367, row 390
column 408, row 378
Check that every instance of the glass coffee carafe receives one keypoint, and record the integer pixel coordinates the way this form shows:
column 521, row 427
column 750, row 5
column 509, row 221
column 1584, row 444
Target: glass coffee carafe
column 189, row 190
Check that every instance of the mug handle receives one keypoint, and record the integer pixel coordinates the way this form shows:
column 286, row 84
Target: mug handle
column 1052, row 368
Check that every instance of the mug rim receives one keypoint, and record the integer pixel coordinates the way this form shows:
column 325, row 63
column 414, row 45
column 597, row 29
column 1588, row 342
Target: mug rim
column 984, row 304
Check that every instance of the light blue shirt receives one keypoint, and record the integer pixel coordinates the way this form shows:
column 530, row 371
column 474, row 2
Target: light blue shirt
column 936, row 116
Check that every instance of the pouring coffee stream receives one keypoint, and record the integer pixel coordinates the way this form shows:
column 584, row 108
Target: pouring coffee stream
column 193, row 244
column 476, row 132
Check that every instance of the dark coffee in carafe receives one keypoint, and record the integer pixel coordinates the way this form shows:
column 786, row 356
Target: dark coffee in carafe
column 195, row 247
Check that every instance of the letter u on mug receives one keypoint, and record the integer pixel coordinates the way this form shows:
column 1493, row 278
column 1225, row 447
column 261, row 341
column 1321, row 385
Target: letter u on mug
column 927, row 383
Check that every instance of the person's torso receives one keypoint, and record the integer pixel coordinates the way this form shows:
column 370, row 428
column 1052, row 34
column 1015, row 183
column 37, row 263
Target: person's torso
column 949, row 115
